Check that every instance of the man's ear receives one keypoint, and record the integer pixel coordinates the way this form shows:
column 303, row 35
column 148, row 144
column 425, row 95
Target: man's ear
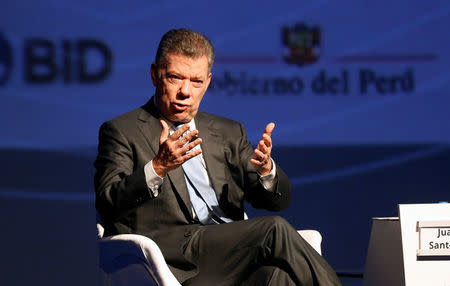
column 154, row 73
column 208, row 80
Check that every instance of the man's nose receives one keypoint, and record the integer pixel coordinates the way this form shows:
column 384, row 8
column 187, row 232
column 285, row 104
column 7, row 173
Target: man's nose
column 185, row 88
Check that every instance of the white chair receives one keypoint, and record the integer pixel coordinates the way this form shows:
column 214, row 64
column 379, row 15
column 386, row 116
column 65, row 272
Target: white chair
column 132, row 259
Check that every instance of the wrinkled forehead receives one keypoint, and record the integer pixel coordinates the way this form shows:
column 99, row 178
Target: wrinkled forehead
column 169, row 57
column 185, row 65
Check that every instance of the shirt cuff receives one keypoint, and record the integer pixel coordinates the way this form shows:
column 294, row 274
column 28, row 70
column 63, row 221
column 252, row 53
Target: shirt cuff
column 153, row 180
column 268, row 181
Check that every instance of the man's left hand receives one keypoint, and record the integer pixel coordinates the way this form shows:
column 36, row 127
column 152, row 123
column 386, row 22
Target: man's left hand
column 262, row 160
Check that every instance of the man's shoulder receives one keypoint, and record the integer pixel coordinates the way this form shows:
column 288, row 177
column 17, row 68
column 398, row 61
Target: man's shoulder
column 127, row 116
column 127, row 123
column 125, row 119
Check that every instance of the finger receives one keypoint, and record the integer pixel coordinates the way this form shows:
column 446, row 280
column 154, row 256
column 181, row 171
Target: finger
column 260, row 156
column 269, row 128
column 267, row 140
column 180, row 131
column 187, row 138
column 262, row 147
column 256, row 162
column 190, row 146
column 164, row 132
column 192, row 154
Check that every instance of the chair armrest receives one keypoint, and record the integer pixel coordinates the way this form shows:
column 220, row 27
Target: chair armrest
column 100, row 230
column 313, row 237
column 141, row 247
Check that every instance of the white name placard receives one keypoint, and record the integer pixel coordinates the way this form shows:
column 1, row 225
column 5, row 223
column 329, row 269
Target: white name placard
column 434, row 239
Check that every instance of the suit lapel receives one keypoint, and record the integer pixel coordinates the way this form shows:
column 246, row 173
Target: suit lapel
column 212, row 151
column 151, row 129
column 150, row 126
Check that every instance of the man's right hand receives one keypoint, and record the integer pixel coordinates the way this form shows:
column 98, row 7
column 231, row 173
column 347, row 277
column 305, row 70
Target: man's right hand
column 174, row 149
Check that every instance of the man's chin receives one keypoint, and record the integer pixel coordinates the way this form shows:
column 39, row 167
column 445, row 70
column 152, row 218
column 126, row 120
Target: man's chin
column 180, row 118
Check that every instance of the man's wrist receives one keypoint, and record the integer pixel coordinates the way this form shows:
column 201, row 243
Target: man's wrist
column 268, row 180
column 268, row 171
column 158, row 168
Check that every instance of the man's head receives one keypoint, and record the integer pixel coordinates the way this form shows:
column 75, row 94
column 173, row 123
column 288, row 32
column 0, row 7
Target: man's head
column 181, row 73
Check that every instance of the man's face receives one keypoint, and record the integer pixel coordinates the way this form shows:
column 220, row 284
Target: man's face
column 180, row 85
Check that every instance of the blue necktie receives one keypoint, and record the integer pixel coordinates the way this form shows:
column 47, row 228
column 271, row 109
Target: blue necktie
column 202, row 195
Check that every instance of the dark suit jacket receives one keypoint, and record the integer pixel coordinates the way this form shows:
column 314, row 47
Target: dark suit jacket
column 128, row 142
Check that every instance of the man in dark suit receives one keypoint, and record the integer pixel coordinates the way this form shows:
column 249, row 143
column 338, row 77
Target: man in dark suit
column 180, row 177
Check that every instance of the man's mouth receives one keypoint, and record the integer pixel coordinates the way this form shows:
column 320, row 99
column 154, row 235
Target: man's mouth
column 180, row 107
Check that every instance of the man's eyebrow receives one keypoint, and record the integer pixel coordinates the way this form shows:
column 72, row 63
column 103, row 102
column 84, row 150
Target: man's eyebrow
column 197, row 78
column 172, row 72
column 169, row 72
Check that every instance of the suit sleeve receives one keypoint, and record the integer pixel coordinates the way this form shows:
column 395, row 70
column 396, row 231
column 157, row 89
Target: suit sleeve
column 255, row 193
column 119, row 185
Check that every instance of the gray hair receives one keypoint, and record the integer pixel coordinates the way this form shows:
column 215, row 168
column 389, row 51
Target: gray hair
column 187, row 43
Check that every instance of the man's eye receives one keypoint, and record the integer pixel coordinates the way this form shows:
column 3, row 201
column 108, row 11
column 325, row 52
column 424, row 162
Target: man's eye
column 173, row 77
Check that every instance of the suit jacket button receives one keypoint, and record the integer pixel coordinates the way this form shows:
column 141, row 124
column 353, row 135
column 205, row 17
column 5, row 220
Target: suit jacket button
column 278, row 194
column 187, row 233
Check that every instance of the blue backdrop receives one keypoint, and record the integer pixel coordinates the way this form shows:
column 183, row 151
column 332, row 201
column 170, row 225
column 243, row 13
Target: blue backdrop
column 359, row 92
